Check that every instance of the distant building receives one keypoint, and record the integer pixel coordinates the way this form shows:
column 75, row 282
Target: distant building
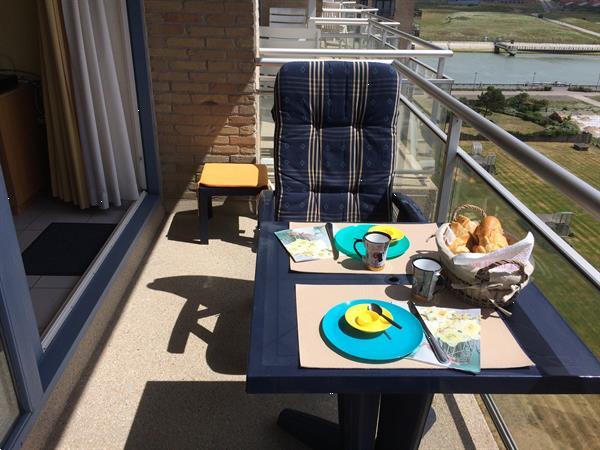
column 402, row 11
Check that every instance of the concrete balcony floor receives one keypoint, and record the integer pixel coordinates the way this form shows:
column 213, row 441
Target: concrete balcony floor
column 169, row 370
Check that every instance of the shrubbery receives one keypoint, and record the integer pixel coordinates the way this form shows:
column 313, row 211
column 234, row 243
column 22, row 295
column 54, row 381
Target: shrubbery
column 525, row 107
column 566, row 128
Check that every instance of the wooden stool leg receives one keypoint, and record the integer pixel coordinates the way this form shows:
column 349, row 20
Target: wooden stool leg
column 209, row 206
column 203, row 212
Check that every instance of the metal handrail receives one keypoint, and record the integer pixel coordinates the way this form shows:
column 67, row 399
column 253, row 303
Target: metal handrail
column 570, row 185
column 350, row 53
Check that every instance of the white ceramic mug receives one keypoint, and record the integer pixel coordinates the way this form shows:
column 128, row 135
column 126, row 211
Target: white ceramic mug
column 376, row 247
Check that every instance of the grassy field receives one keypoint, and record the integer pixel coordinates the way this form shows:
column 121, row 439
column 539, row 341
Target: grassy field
column 571, row 106
column 549, row 421
column 587, row 20
column 583, row 313
column 474, row 24
column 511, row 124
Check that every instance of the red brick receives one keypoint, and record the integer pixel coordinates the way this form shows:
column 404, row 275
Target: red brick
column 163, row 5
column 246, row 110
column 182, row 18
column 171, row 76
column 204, row 7
column 206, row 31
column 210, row 99
column 179, row 99
column 162, row 107
column 239, row 7
column 187, row 65
column 247, row 130
column 172, row 53
column 240, row 32
column 161, row 86
column 206, row 77
column 189, row 87
column 216, row 43
column 194, row 130
column 204, row 55
column 218, row 66
column 225, row 149
column 165, row 29
column 229, row 130
column 185, row 43
column 242, row 140
column 220, row 20
column 240, row 78
column 175, row 118
column 248, row 150
column 241, row 120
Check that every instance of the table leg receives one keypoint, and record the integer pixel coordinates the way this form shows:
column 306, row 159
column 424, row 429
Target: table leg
column 316, row 433
column 356, row 430
column 402, row 421
column 358, row 420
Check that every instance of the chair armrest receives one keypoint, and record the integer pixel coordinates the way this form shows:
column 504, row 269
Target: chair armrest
column 408, row 211
column 266, row 207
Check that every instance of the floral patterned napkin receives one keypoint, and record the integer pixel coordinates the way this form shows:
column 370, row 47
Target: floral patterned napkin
column 457, row 331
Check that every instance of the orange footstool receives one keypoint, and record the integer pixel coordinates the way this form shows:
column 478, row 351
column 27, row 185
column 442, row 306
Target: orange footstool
column 227, row 179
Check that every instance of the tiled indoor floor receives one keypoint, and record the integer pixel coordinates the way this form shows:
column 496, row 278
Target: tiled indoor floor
column 48, row 293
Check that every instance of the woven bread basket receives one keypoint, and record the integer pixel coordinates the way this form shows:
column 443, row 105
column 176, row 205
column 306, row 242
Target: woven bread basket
column 483, row 287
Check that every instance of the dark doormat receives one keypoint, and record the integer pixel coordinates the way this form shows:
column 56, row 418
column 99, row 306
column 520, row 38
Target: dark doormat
column 65, row 248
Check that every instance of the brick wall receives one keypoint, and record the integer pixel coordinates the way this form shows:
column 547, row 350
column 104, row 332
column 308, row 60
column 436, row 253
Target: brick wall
column 202, row 59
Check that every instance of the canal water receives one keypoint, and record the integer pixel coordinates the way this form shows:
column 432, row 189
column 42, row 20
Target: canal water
column 523, row 68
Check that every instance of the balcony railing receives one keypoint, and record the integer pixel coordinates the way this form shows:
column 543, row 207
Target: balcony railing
column 439, row 175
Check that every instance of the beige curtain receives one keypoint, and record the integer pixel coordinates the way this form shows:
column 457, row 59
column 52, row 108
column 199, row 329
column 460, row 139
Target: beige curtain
column 67, row 171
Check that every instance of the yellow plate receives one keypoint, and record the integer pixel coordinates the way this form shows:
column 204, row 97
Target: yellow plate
column 391, row 231
column 359, row 317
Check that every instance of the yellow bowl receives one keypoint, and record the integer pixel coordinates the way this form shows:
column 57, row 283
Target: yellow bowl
column 391, row 231
column 359, row 317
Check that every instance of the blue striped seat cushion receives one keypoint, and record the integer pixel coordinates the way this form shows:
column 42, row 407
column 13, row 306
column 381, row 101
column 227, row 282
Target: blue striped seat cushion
column 335, row 137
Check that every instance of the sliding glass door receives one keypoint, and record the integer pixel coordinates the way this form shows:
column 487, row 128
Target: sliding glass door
column 9, row 407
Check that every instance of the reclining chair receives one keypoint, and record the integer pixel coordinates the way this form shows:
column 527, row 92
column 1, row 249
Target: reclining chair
column 335, row 144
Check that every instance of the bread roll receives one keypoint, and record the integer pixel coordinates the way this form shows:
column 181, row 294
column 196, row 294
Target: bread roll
column 463, row 229
column 467, row 223
column 489, row 236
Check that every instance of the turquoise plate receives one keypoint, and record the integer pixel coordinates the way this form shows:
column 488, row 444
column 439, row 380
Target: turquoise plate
column 388, row 345
column 344, row 241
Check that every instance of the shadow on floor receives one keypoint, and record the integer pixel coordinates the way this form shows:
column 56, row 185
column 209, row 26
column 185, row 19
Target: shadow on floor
column 224, row 224
column 216, row 415
column 230, row 300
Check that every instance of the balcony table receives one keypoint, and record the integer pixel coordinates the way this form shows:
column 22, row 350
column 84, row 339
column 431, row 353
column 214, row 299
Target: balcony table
column 401, row 398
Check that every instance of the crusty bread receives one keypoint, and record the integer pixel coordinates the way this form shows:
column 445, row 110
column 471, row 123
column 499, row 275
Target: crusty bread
column 467, row 223
column 463, row 229
column 489, row 236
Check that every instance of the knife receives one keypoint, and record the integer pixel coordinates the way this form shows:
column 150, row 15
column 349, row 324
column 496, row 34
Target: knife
column 435, row 346
column 334, row 250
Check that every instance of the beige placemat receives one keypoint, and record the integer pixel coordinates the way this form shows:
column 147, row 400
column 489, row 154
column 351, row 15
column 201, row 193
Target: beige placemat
column 420, row 245
column 499, row 349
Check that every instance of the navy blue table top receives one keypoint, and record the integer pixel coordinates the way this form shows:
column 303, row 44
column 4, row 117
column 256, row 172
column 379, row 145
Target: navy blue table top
column 563, row 364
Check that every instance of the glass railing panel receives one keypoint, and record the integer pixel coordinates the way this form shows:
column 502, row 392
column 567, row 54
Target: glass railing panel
column 419, row 161
column 432, row 108
column 267, row 129
column 544, row 421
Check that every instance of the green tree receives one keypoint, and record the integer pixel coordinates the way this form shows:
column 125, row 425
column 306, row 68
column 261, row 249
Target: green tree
column 491, row 100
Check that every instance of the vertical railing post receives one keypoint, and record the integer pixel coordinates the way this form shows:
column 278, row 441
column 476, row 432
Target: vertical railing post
column 440, row 67
column 448, row 168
